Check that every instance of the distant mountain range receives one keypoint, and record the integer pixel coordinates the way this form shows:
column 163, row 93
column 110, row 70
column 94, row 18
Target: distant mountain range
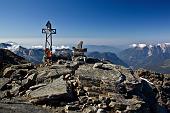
column 31, row 54
column 35, row 54
column 7, row 58
column 153, row 57
column 102, row 48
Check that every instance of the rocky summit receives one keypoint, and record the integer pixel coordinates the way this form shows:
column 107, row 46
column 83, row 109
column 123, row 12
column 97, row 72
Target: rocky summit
column 8, row 58
column 83, row 85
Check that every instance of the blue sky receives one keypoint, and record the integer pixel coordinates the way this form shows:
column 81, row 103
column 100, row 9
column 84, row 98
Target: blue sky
column 105, row 22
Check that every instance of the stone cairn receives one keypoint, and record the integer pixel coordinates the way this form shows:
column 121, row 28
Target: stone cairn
column 78, row 53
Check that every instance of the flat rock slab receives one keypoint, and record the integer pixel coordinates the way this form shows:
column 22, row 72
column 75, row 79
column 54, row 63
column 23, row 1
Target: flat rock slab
column 110, row 71
column 21, row 108
column 57, row 87
column 88, row 70
column 3, row 81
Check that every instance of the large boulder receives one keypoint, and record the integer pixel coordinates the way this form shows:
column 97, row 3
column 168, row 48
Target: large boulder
column 3, row 83
column 19, row 74
column 23, row 66
column 57, row 87
column 9, row 71
column 56, row 73
column 97, row 65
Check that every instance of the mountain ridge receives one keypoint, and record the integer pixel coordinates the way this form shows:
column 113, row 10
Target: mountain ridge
column 147, row 56
column 112, row 57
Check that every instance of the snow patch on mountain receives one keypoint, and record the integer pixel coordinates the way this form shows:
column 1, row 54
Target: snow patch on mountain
column 133, row 45
column 12, row 46
column 141, row 45
column 164, row 47
column 63, row 47
column 167, row 44
column 37, row 47
column 150, row 46
column 11, row 43
column 138, row 45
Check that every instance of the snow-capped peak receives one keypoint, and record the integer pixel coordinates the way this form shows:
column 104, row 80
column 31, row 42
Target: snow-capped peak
column 141, row 45
column 163, row 46
column 150, row 46
column 167, row 44
column 138, row 45
column 133, row 45
column 59, row 47
column 37, row 47
column 160, row 47
column 11, row 43
column 62, row 47
column 11, row 46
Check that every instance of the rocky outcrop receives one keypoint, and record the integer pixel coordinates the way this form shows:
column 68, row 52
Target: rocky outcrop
column 93, row 87
column 159, row 88
column 150, row 57
column 8, row 58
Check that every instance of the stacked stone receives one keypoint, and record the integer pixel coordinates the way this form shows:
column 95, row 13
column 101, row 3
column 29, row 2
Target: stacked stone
column 78, row 53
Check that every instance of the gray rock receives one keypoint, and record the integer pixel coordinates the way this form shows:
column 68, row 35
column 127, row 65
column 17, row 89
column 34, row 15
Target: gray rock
column 90, row 109
column 19, row 74
column 93, row 94
column 61, row 62
column 8, row 72
column 27, row 83
column 53, row 73
column 32, row 71
column 134, row 104
column 32, row 77
column 57, row 87
column 37, row 86
column 57, row 66
column 20, row 106
column 15, row 89
column 77, row 54
column 112, row 104
column 120, row 106
column 83, row 99
column 108, row 66
column 3, row 83
column 97, row 65
column 66, row 77
column 101, row 111
column 41, row 77
column 72, row 107
column 80, row 60
column 23, row 66
column 6, row 94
